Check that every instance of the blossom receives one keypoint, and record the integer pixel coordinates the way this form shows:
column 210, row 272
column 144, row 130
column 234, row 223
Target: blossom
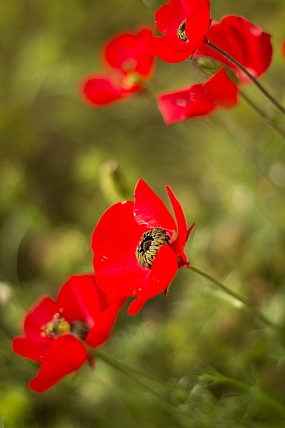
column 56, row 330
column 128, row 61
column 283, row 48
column 198, row 100
column 245, row 42
column 138, row 246
column 184, row 25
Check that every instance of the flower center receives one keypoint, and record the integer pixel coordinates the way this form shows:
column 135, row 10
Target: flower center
column 181, row 34
column 56, row 327
column 79, row 329
column 149, row 245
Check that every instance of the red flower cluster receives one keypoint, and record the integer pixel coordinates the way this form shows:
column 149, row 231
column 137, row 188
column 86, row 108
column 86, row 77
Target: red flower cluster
column 138, row 247
column 198, row 100
column 55, row 331
column 129, row 63
column 184, row 25
column 245, row 42
column 238, row 37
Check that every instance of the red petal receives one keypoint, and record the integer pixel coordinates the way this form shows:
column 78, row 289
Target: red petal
column 65, row 355
column 82, row 299
column 222, row 90
column 199, row 102
column 114, row 244
column 149, row 209
column 99, row 333
column 101, row 90
column 179, row 243
column 168, row 18
column 31, row 348
column 129, row 52
column 136, row 305
column 246, row 42
column 173, row 50
column 197, row 23
column 163, row 271
column 40, row 314
column 172, row 106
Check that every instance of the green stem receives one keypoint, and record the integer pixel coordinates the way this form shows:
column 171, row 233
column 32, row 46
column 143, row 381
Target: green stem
column 114, row 362
column 244, row 387
column 256, row 312
column 262, row 115
column 244, row 70
column 127, row 370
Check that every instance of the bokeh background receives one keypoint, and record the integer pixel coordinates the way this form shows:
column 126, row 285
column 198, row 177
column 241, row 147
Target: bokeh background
column 64, row 163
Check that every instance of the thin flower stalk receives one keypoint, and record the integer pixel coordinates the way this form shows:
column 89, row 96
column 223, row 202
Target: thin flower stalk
column 244, row 70
column 262, row 115
column 126, row 371
column 244, row 387
column 254, row 311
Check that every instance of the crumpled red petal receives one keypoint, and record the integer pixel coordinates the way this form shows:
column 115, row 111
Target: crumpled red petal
column 149, row 210
column 65, row 355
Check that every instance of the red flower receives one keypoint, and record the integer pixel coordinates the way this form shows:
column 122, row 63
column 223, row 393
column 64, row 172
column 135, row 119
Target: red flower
column 129, row 63
column 198, row 100
column 138, row 247
column 184, row 24
column 56, row 330
column 245, row 42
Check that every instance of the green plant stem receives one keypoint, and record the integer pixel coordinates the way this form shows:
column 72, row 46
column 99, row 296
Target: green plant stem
column 254, row 311
column 244, row 387
column 114, row 362
column 127, row 370
column 262, row 115
column 244, row 70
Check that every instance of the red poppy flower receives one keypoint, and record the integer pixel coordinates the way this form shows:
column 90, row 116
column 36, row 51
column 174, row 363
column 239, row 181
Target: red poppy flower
column 55, row 331
column 138, row 247
column 184, row 25
column 245, row 42
column 129, row 63
column 198, row 100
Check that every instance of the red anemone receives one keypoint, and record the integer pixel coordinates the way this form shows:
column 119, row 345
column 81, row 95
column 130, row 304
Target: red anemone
column 199, row 100
column 55, row 331
column 138, row 246
column 184, row 25
column 129, row 62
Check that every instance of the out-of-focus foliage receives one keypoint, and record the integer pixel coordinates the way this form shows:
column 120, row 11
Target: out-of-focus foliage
column 229, row 174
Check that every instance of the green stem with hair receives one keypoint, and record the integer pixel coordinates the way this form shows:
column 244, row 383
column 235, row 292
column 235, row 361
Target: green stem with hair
column 254, row 311
column 244, row 70
column 128, row 371
column 218, row 378
column 262, row 115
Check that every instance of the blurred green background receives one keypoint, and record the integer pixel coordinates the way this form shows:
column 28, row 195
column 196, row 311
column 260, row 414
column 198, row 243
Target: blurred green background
column 228, row 171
